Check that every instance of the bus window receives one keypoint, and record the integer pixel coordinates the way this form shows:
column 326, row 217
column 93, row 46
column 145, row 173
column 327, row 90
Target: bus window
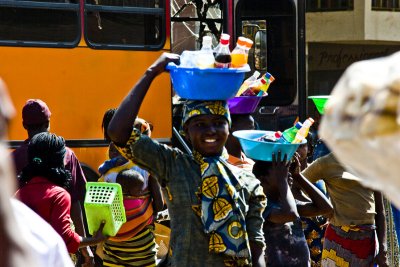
column 191, row 21
column 275, row 44
column 125, row 24
column 39, row 23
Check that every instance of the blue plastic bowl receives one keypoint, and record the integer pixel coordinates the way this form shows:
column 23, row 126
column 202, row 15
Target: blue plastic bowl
column 206, row 84
column 260, row 150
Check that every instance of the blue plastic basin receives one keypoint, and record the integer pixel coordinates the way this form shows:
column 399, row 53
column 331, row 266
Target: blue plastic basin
column 260, row 150
column 206, row 84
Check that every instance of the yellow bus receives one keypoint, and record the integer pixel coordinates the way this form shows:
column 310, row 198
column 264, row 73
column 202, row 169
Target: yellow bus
column 82, row 56
column 81, row 59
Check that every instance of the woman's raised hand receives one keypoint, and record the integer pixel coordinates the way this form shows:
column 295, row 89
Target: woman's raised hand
column 159, row 65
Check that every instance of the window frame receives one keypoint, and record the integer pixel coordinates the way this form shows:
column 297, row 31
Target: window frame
column 348, row 7
column 126, row 10
column 390, row 5
column 44, row 6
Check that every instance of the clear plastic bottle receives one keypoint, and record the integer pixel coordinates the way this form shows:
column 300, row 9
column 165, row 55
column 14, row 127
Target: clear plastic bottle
column 239, row 55
column 248, row 82
column 188, row 59
column 222, row 54
column 205, row 56
column 303, row 132
column 289, row 134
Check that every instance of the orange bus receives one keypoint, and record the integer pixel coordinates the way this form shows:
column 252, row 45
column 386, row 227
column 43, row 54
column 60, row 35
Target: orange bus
column 82, row 56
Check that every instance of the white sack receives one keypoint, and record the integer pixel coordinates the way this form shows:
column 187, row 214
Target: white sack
column 361, row 124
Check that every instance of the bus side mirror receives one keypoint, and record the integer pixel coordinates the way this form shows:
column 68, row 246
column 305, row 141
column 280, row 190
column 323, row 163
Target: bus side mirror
column 260, row 50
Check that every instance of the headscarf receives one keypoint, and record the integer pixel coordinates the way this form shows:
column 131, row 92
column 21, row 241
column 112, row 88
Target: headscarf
column 194, row 108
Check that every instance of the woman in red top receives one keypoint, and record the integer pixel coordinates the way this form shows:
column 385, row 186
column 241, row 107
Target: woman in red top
column 45, row 182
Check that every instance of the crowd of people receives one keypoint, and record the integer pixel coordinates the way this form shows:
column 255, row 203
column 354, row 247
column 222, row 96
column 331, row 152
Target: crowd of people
column 225, row 209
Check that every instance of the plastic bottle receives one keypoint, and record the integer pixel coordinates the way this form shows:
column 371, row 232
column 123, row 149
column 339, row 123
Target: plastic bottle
column 256, row 87
column 264, row 86
column 188, row 59
column 205, row 56
column 303, row 132
column 222, row 54
column 239, row 56
column 289, row 134
column 247, row 82
column 270, row 137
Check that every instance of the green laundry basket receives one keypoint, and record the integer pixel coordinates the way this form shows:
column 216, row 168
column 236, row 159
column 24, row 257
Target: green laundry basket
column 104, row 201
column 319, row 102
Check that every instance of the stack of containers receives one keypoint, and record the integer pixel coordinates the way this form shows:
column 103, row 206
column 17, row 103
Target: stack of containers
column 196, row 78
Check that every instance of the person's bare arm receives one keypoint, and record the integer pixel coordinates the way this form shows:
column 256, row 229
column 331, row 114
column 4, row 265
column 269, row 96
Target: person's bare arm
column 316, row 203
column 380, row 221
column 257, row 255
column 120, row 127
column 95, row 239
column 156, row 193
column 77, row 218
column 319, row 205
column 279, row 175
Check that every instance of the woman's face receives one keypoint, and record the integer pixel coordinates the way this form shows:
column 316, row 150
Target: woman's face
column 207, row 134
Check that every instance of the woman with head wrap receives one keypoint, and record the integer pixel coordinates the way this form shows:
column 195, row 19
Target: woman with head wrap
column 45, row 181
column 215, row 208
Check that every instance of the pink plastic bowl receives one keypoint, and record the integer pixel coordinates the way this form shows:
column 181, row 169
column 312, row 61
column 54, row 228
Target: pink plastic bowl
column 243, row 104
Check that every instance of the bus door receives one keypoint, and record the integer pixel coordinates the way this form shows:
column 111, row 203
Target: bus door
column 274, row 28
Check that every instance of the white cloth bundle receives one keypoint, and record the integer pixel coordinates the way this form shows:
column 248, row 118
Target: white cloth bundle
column 361, row 124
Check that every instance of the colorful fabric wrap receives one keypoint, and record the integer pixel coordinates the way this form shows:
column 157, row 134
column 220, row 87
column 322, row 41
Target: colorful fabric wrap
column 349, row 246
column 219, row 211
column 194, row 108
column 139, row 214
column 138, row 251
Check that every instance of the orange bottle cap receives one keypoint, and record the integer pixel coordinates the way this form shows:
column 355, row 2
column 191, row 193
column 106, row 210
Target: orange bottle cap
column 271, row 79
column 241, row 41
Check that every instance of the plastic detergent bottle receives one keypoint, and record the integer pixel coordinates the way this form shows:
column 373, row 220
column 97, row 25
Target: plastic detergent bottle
column 239, row 55
column 303, row 132
column 289, row 134
column 257, row 88
column 264, row 86
column 246, row 84
column 222, row 54
column 205, row 56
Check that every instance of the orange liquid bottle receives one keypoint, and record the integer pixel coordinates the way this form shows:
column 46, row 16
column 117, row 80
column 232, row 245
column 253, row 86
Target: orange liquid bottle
column 239, row 55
